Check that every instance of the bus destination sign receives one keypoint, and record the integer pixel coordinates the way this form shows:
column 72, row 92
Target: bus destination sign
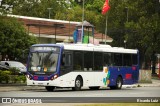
column 44, row 48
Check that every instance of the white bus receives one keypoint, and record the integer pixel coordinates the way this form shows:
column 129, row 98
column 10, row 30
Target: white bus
column 81, row 65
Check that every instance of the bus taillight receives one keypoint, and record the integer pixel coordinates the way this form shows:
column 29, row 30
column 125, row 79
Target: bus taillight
column 133, row 68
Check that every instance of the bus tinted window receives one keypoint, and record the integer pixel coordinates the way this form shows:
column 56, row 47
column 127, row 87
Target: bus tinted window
column 98, row 61
column 127, row 61
column 88, row 61
column 134, row 59
column 68, row 60
column 117, row 59
column 107, row 59
column 78, row 60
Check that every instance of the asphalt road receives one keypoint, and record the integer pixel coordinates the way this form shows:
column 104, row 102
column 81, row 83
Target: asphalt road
column 106, row 95
column 124, row 92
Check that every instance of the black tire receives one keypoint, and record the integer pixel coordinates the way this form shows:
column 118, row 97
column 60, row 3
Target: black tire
column 119, row 83
column 78, row 84
column 94, row 88
column 112, row 87
column 50, row 88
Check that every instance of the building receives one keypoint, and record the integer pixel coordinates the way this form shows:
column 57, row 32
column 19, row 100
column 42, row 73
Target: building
column 52, row 31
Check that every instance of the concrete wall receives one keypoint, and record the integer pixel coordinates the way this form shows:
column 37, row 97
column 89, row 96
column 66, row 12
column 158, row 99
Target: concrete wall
column 46, row 40
column 145, row 76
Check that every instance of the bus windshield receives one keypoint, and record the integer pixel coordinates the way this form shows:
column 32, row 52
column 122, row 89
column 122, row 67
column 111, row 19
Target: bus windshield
column 43, row 62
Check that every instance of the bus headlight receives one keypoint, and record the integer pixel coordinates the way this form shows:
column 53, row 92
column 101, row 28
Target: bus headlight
column 54, row 77
column 29, row 77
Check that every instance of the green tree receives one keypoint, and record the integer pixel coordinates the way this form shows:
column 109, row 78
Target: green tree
column 34, row 8
column 136, row 21
column 14, row 41
column 143, row 28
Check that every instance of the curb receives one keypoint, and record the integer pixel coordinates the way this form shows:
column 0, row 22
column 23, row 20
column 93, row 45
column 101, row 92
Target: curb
column 147, row 85
column 5, row 85
column 19, row 88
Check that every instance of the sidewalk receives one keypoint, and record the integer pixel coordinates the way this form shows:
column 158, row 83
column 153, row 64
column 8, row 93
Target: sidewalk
column 155, row 83
column 24, row 87
column 8, row 88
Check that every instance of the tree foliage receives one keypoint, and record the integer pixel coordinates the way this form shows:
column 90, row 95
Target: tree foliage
column 14, row 41
column 143, row 28
column 136, row 21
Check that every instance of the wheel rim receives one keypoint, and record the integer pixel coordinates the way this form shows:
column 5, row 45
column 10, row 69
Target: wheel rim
column 119, row 83
column 78, row 83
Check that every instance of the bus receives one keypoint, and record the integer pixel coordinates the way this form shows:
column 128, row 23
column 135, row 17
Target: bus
column 81, row 65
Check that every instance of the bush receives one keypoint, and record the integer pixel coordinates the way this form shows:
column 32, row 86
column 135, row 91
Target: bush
column 9, row 76
column 14, row 71
column 2, row 78
column 23, row 78
column 5, row 76
column 19, row 78
column 16, row 78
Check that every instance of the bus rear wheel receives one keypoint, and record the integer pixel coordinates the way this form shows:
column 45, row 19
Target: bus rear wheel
column 49, row 88
column 78, row 84
column 119, row 83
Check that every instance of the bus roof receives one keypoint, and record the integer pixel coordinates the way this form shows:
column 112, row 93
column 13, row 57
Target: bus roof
column 92, row 47
column 98, row 48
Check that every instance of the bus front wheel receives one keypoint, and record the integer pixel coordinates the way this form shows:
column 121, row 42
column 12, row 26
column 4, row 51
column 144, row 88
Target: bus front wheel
column 78, row 84
column 50, row 88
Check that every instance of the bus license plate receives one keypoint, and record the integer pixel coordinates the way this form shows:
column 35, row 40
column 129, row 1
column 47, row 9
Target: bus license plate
column 40, row 84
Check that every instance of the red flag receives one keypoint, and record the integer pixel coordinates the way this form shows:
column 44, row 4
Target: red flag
column 106, row 7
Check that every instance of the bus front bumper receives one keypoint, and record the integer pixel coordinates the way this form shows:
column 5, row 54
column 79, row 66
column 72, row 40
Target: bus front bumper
column 56, row 83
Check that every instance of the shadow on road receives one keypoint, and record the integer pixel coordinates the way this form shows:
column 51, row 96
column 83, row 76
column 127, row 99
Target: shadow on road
column 70, row 90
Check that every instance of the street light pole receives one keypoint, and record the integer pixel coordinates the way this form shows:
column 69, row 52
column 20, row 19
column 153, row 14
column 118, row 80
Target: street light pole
column 82, row 1
column 49, row 9
column 55, row 33
column 56, row 25
column 82, row 23
column 125, row 43
column 126, row 11
column 69, row 20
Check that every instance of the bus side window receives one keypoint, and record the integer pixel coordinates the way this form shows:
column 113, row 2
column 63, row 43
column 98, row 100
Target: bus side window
column 107, row 59
column 63, row 60
column 88, row 60
column 78, row 60
column 118, row 59
column 134, row 59
column 68, row 60
column 127, row 60
column 98, row 61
